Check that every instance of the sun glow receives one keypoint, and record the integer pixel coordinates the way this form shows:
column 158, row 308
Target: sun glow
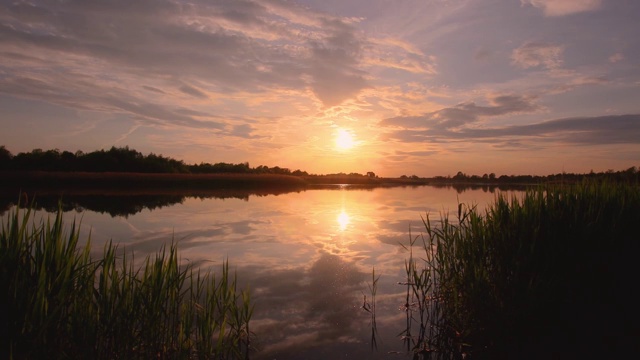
column 344, row 140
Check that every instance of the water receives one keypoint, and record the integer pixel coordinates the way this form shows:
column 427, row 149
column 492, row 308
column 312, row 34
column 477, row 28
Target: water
column 307, row 257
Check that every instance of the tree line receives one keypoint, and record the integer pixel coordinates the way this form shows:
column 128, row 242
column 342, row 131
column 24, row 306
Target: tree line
column 631, row 174
column 122, row 159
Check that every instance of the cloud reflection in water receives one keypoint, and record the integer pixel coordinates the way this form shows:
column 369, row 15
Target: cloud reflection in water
column 306, row 307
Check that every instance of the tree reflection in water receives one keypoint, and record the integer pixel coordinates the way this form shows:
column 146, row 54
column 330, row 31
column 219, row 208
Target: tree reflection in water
column 119, row 203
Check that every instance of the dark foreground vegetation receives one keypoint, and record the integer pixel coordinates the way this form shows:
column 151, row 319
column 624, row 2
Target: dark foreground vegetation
column 549, row 275
column 60, row 303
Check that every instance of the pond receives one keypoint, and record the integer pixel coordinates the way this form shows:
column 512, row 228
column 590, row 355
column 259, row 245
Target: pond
column 307, row 257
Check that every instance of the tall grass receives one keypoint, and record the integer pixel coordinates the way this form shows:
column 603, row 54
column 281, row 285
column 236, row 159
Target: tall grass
column 550, row 274
column 58, row 302
column 370, row 307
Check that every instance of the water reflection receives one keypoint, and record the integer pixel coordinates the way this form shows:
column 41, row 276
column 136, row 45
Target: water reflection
column 305, row 309
column 122, row 203
column 306, row 256
column 343, row 220
column 126, row 203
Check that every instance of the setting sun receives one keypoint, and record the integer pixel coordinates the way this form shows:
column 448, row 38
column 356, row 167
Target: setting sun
column 344, row 140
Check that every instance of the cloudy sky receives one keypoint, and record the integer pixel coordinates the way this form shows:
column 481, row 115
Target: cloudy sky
column 425, row 87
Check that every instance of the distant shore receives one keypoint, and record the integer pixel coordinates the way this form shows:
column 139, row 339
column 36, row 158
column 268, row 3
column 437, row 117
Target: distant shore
column 15, row 181
column 45, row 180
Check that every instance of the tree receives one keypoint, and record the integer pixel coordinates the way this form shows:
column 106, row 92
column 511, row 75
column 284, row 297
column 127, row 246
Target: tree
column 5, row 158
column 460, row 176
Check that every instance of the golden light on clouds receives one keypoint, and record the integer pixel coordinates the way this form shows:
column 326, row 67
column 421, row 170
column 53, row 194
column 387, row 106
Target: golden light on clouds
column 345, row 140
column 328, row 89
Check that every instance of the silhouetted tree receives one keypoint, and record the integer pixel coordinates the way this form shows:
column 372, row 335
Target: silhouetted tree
column 5, row 158
column 460, row 176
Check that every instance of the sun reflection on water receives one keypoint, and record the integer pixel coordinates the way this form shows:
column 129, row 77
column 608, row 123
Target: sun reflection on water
column 343, row 220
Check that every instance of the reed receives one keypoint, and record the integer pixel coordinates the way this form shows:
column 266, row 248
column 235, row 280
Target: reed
column 60, row 303
column 370, row 307
column 548, row 274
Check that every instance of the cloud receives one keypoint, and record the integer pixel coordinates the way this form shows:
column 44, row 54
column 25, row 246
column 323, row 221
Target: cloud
column 190, row 90
column 563, row 7
column 333, row 64
column 74, row 91
column 243, row 131
column 225, row 47
column 534, row 54
column 481, row 55
column 151, row 88
column 398, row 54
column 598, row 130
column 464, row 114
column 616, row 58
column 418, row 153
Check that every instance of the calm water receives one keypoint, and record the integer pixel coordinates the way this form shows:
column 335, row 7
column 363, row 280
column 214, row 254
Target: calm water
column 306, row 256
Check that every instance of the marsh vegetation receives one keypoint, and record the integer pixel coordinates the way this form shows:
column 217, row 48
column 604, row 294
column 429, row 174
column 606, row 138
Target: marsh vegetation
column 59, row 302
column 549, row 274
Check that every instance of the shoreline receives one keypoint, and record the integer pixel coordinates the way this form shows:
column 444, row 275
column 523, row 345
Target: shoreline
column 46, row 182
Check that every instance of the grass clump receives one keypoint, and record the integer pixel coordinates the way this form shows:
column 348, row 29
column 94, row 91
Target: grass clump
column 60, row 303
column 550, row 274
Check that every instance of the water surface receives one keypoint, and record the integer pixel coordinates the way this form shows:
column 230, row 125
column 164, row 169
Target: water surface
column 307, row 257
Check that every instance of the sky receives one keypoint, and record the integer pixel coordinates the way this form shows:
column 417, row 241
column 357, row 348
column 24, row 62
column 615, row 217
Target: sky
column 396, row 87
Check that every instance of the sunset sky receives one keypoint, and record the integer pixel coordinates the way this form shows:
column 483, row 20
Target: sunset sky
column 425, row 87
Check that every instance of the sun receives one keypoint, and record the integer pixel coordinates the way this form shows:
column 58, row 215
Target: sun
column 344, row 140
